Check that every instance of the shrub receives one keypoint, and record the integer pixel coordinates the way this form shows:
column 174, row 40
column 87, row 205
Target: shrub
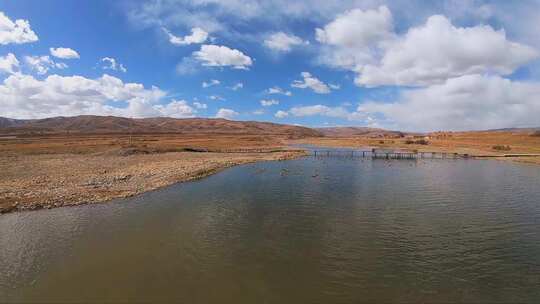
column 501, row 148
column 536, row 134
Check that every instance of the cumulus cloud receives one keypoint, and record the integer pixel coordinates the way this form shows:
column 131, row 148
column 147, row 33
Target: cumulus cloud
column 258, row 112
column 226, row 113
column 462, row 103
column 358, row 28
column 283, row 42
column 321, row 110
column 210, row 83
column 311, row 82
column 199, row 105
column 269, row 102
column 8, row 64
column 364, row 41
column 42, row 64
column 437, row 51
column 222, row 56
column 325, row 111
column 17, row 32
column 23, row 96
column 112, row 64
column 237, row 86
column 281, row 114
column 198, row 35
column 355, row 37
column 278, row 90
column 64, row 53
column 176, row 109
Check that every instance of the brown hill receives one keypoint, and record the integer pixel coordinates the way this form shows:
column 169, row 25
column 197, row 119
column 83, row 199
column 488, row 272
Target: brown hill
column 10, row 122
column 358, row 131
column 88, row 124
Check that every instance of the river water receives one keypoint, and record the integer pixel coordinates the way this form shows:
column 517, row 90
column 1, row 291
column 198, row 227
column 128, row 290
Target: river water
column 328, row 230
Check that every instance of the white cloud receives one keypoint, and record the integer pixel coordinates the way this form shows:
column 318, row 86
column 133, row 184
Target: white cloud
column 321, row 110
column 42, row 64
column 64, row 53
column 281, row 114
column 278, row 90
column 283, row 42
column 210, row 83
column 200, row 106
column 198, row 35
column 112, row 64
column 23, row 96
column 462, row 103
column 324, row 111
column 17, row 32
column 221, row 56
column 358, row 28
column 258, row 112
column 269, row 102
column 9, row 64
column 216, row 97
column 311, row 82
column 229, row 18
column 364, row 41
column 223, row 16
column 226, row 113
column 176, row 109
column 354, row 37
column 237, row 86
column 438, row 51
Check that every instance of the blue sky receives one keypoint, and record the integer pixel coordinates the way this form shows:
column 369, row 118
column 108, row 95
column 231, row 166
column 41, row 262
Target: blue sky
column 410, row 65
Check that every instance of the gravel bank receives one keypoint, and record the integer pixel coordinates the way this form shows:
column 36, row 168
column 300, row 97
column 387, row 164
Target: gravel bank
column 30, row 182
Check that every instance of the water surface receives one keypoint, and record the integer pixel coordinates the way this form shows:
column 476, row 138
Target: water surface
column 331, row 230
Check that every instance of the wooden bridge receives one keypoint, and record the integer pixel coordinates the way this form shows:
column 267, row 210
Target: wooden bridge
column 385, row 154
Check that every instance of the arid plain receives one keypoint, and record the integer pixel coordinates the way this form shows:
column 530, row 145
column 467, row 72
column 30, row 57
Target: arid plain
column 72, row 161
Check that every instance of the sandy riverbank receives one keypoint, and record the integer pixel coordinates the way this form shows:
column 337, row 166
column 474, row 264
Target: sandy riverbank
column 30, row 182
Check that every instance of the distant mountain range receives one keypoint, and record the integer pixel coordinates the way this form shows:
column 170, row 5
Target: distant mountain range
column 376, row 132
column 89, row 124
column 357, row 131
column 9, row 122
column 514, row 130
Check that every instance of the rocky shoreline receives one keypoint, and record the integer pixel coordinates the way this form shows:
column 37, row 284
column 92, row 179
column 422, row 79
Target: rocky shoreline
column 31, row 182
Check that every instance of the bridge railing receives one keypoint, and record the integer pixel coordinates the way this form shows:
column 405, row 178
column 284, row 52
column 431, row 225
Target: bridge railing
column 384, row 155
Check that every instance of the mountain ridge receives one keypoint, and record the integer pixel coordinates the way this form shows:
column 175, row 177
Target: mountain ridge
column 357, row 131
column 87, row 124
